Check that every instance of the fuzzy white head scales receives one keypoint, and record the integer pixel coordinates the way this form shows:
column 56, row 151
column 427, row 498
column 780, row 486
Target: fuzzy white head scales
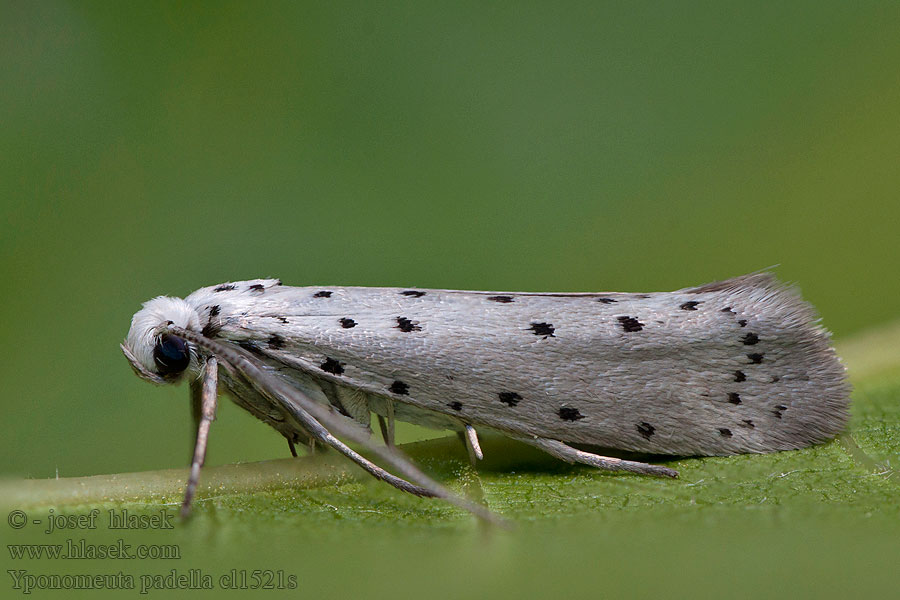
column 148, row 324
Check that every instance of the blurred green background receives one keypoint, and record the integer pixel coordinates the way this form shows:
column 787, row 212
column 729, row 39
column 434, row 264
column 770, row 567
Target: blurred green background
column 154, row 148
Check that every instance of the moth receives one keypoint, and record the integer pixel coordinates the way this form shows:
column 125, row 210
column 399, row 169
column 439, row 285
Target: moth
column 736, row 366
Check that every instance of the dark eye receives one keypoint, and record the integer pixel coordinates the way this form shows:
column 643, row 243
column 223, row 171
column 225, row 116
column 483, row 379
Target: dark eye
column 171, row 355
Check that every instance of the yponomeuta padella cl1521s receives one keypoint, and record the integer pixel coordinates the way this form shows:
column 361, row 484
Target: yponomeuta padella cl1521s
column 736, row 366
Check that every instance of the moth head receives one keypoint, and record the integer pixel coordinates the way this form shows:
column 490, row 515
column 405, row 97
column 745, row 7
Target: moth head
column 155, row 354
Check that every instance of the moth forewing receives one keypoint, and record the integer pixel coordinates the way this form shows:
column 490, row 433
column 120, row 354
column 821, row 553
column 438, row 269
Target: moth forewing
column 697, row 371
column 734, row 366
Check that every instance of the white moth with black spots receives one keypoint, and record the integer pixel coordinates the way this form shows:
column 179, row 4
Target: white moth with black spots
column 730, row 367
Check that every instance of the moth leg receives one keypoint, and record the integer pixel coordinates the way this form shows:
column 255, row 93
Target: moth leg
column 291, row 399
column 196, row 409
column 472, row 482
column 384, row 432
column 317, row 432
column 207, row 404
column 301, row 438
column 387, row 427
column 308, row 415
column 573, row 455
column 470, row 438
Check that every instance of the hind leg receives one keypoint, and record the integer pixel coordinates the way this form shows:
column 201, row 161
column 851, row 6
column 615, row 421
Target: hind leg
column 573, row 455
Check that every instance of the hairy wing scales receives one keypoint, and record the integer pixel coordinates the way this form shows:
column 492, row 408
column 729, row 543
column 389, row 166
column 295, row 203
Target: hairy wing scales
column 646, row 372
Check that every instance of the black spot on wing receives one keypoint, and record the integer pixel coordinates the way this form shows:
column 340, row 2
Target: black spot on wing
column 750, row 339
column 646, row 429
column 405, row 325
column 276, row 342
column 748, row 423
column 778, row 410
column 455, row 405
column 544, row 329
column 630, row 324
column 724, row 432
column 739, row 376
column 501, row 299
column 399, row 388
column 734, row 398
column 606, row 301
column 282, row 319
column 742, row 322
column 257, row 287
column 347, row 323
column 211, row 329
column 227, row 287
column 323, row 294
column 412, row 293
column 509, row 398
column 690, row 305
column 727, row 309
column 755, row 358
column 335, row 367
column 567, row 413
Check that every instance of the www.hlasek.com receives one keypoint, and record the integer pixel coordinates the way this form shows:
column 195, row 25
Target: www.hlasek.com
column 193, row 579
column 74, row 549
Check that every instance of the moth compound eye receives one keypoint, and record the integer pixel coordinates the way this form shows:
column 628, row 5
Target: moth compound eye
column 171, row 355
